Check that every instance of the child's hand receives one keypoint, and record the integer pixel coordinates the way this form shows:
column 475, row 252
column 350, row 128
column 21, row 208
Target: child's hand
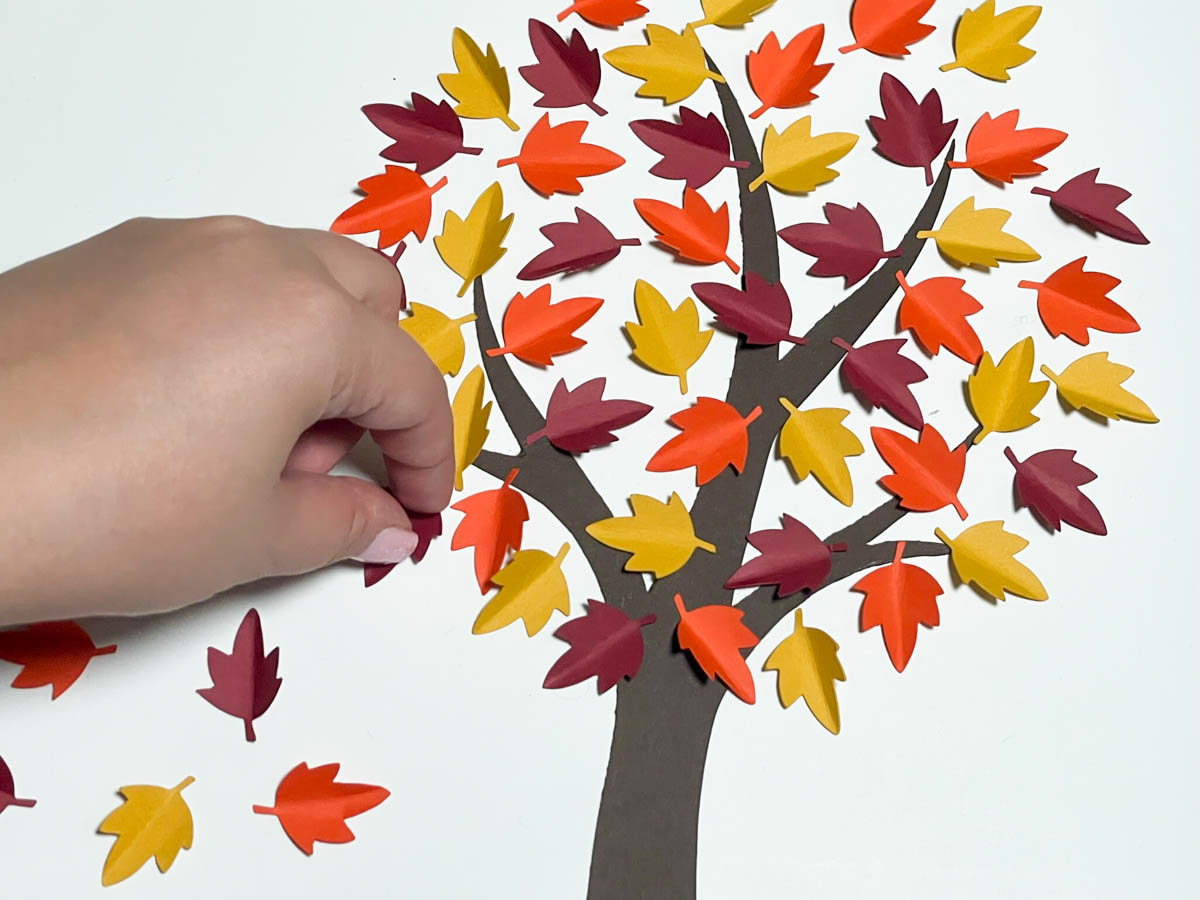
column 157, row 387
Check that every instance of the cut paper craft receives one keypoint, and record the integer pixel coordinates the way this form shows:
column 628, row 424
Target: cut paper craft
column 1092, row 205
column 567, row 72
column 659, row 536
column 580, row 420
column 1048, row 484
column 427, row 135
column 1071, row 301
column 50, row 653
column 532, row 586
column 245, row 681
column 439, row 336
column 880, row 377
column 730, row 13
column 888, row 27
column 694, row 230
column 672, row 66
column 553, row 158
column 152, row 822
column 797, row 161
column 791, row 557
column 984, row 555
column 480, row 85
column 847, row 245
column 397, row 203
column 575, row 246
column 998, row 150
column 1003, row 395
column 536, row 330
column 1093, row 383
column 807, row 666
column 783, row 77
column 471, row 246
column 935, row 311
column 605, row 644
column 427, row 526
column 695, row 150
column 898, row 598
column 989, row 44
column 470, row 423
column 605, row 13
column 761, row 312
column 815, row 442
column 312, row 806
column 976, row 237
column 668, row 341
column 715, row 636
column 8, row 788
column 909, row 133
column 926, row 474
column 713, row 437
column 493, row 523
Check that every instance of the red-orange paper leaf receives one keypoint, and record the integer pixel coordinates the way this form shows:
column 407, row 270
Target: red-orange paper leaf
column 1071, row 301
column 553, row 158
column 899, row 597
column 695, row 231
column 714, row 436
column 605, row 13
column 998, row 150
column 926, row 473
column 536, row 331
column 493, row 523
column 397, row 203
column 888, row 27
column 783, row 78
column 311, row 806
column 936, row 311
column 54, row 653
column 715, row 637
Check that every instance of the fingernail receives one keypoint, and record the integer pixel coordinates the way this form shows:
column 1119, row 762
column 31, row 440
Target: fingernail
column 392, row 545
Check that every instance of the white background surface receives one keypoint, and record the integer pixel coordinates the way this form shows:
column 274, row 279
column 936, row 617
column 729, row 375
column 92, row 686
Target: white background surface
column 1028, row 750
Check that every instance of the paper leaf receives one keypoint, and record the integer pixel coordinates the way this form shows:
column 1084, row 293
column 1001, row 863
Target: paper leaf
column 935, row 311
column 1092, row 205
column 807, row 666
column 580, row 420
column 997, row 150
column 695, row 150
column 8, row 790
column 427, row 526
column 880, row 377
column 493, row 522
column 567, row 72
column 926, row 473
column 815, row 442
column 553, row 158
column 439, row 336
column 49, row 653
column 899, row 597
column 669, row 341
column 1048, row 484
column 397, row 203
column 658, row 535
column 797, row 161
column 480, row 85
column 471, row 246
column 311, row 806
column 888, row 27
column 605, row 644
column 694, row 230
column 575, row 246
column 427, row 135
column 245, row 681
column 976, row 237
column 848, row 247
column 792, row 557
column 1093, row 383
column 989, row 44
column 730, row 13
column 783, row 77
column 714, row 436
column 761, row 312
column 1071, row 301
column 605, row 13
column 532, row 586
column 152, row 822
column 536, row 330
column 672, row 66
column 984, row 555
column 470, row 423
column 1003, row 396
column 910, row 134
column 715, row 637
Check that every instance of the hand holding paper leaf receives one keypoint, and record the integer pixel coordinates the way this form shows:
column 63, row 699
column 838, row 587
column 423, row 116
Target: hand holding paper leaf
column 807, row 665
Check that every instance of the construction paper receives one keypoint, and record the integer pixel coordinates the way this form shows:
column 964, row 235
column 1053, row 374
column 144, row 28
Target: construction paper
column 244, row 681
column 815, row 442
column 695, row 150
column 989, row 44
column 311, row 806
column 898, row 598
column 672, row 66
column 427, row 526
column 1048, row 483
column 909, row 133
column 880, row 376
column 976, row 237
column 471, row 246
column 152, row 822
column 439, row 336
column 714, row 436
column 935, row 311
column 791, row 557
column 427, row 135
column 575, row 246
column 605, row 13
column 693, row 230
column 784, row 77
column 888, row 27
column 761, row 311
column 470, row 422
column 8, row 796
column 580, row 420
column 536, row 330
column 480, row 85
column 553, row 158
column 848, row 245
column 666, row 340
column 1093, row 383
column 493, row 523
column 605, row 644
column 567, row 72
column 1092, row 205
column 659, row 536
column 730, row 13
column 532, row 586
column 1003, row 395
column 984, row 555
column 998, row 150
column 926, row 474
column 797, row 161
column 715, row 637
column 1071, row 301
column 397, row 203
column 807, row 666
column 50, row 653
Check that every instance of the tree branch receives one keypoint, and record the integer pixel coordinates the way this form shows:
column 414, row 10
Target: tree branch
column 519, row 411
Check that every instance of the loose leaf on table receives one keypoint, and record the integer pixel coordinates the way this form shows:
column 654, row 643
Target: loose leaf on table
column 1093, row 206
column 847, row 245
column 935, row 311
column 888, row 27
column 574, row 246
column 807, row 666
column 427, row 135
column 567, row 72
column 471, row 246
column 998, row 150
column 152, row 822
column 715, row 636
column 312, row 806
column 245, row 680
column 899, row 597
column 1071, row 301
column 480, row 85
column 536, row 330
column 926, row 474
column 439, row 336
column 909, row 133
column 761, row 311
column 797, row 161
column 694, row 230
column 695, row 150
column 605, row 643
column 493, row 523
column 989, row 44
column 580, row 420
column 470, row 422
column 8, row 788
column 984, row 554
column 880, row 377
column 1093, row 383
column 815, row 442
column 49, row 653
column 672, row 66
column 791, row 557
column 553, row 158
column 1003, row 395
column 783, row 77
column 659, row 535
column 730, row 13
column 976, row 237
column 714, row 436
column 427, row 526
column 605, row 13
column 532, row 586
column 1048, row 484
column 669, row 341
column 397, row 203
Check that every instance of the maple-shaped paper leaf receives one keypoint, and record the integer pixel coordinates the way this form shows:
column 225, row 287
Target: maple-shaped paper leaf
column 695, row 150
column 797, row 161
column 1071, row 301
column 976, row 237
column 153, row 822
column 580, row 420
column 714, row 436
column 888, row 27
column 397, row 203
column 671, row 65
column 532, row 586
column 605, row 13
column 761, row 311
column 536, row 330
column 480, row 85
column 50, row 653
column 899, row 597
column 989, row 44
column 244, row 681
column 1003, row 395
column 935, row 311
column 311, row 806
column 1092, row 205
column 880, row 377
column 910, row 134
column 998, row 150
column 792, row 557
column 1093, row 383
column 849, row 246
column 426, row 526
column 815, row 442
column 730, row 13
column 493, row 522
column 8, row 789
column 471, row 246
column 553, row 158
column 694, row 230
column 427, row 135
column 567, row 72
column 439, row 336
column 807, row 666
column 715, row 636
column 783, row 77
column 984, row 556
column 926, row 474
column 659, row 535
column 605, row 643
column 575, row 246
column 470, row 422
column 1048, row 484
column 666, row 340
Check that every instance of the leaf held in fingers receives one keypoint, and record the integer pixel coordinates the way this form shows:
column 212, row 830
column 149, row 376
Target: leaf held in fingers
column 695, row 150
column 715, row 637
column 427, row 527
column 580, row 420
column 761, row 312
column 815, row 442
column 898, row 598
column 714, row 436
column 935, row 311
column 989, row 44
column 532, row 586
column 998, row 150
column 50, row 653
column 397, row 203
column 909, row 133
column 880, row 376
column 554, row 157
column 1093, row 206
column 888, row 27
column 471, row 246
column 666, row 340
column 1048, row 483
column 976, row 237
column 671, row 65
column 1003, row 395
column 536, row 330
column 470, row 423
column 574, row 246
column 153, row 823
column 605, row 644
column 791, row 557
column 984, row 554
column 796, row 161
column 312, row 806
column 659, row 536
column 807, row 666
column 480, row 85
column 567, row 72
column 1071, row 301
column 847, row 245
column 694, row 230
column 1093, row 383
column 783, row 77
column 244, row 681
column 493, row 522
column 438, row 335
column 926, row 474
column 427, row 135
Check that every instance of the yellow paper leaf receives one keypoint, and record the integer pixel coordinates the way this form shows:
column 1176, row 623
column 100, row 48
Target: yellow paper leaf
column 470, row 423
column 989, row 44
column 815, row 442
column 666, row 340
column 798, row 160
column 807, row 663
column 480, row 85
column 532, row 586
column 984, row 553
column 438, row 335
column 730, row 13
column 152, row 822
column 1003, row 396
column 659, row 535
column 471, row 246
column 976, row 237
column 672, row 66
column 1093, row 383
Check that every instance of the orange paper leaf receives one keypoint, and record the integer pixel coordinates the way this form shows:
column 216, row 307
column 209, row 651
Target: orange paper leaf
column 1071, row 301
column 899, row 597
column 553, row 158
column 783, row 78
column 51, row 653
column 695, row 231
column 605, row 13
column 714, row 436
column 926, row 473
column 888, row 27
column 311, row 806
column 536, row 331
column 998, row 150
column 397, row 203
column 493, row 522
column 716, row 636
column 936, row 311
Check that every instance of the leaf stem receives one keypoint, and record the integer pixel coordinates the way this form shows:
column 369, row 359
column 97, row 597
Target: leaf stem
column 596, row 108
column 249, row 723
column 179, row 787
column 899, row 554
column 105, row 650
column 842, row 344
column 1011, row 457
column 507, row 161
column 1042, row 192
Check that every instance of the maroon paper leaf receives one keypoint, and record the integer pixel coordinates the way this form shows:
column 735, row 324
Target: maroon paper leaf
column 8, row 790
column 849, row 246
column 567, row 73
column 1093, row 206
column 427, row 527
column 245, row 681
column 694, row 150
column 575, row 246
column 761, row 312
column 580, row 420
column 880, row 376
column 909, row 133
column 605, row 643
column 793, row 558
column 1048, row 484
column 427, row 135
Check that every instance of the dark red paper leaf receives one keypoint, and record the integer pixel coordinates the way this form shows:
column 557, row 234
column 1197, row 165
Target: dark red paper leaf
column 567, row 72
column 427, row 527
column 605, row 643
column 848, row 247
column 1093, row 206
column 793, row 558
column 1048, row 484
column 245, row 681
column 694, row 150
column 910, row 134
column 580, row 420
column 8, row 787
column 880, row 376
column 427, row 135
column 761, row 311
column 575, row 246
